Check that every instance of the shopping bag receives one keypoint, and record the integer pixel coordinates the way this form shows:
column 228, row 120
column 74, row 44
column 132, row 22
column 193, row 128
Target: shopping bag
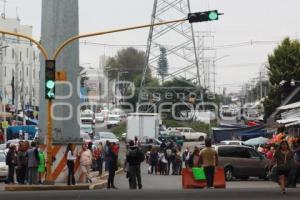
column 198, row 173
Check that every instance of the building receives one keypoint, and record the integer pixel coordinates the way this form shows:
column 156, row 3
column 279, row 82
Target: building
column 19, row 71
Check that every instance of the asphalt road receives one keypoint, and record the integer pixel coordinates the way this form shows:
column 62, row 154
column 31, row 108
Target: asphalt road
column 257, row 194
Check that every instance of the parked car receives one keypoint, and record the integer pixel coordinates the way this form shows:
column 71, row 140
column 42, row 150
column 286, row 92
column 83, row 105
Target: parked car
column 87, row 128
column 3, row 166
column 241, row 162
column 172, row 135
column 104, row 136
column 99, row 117
column 232, row 142
column 146, row 144
column 113, row 120
column 188, row 133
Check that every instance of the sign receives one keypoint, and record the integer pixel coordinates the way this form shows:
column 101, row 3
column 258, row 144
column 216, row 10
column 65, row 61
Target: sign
column 5, row 124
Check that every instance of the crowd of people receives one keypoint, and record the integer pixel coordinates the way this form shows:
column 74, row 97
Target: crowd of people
column 27, row 162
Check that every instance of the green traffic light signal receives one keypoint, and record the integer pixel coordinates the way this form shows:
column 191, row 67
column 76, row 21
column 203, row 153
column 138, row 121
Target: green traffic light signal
column 50, row 84
column 213, row 15
column 203, row 16
column 50, row 79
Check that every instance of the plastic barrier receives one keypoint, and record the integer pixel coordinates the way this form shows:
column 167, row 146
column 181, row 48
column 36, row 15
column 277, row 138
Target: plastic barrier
column 188, row 180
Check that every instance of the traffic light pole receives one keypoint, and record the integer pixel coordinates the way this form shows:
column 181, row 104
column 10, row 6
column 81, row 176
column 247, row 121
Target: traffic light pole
column 55, row 55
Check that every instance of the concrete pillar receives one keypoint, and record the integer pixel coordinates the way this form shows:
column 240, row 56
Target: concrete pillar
column 60, row 22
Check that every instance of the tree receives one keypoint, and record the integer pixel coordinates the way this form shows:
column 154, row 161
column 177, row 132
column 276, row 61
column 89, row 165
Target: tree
column 163, row 63
column 284, row 64
column 130, row 60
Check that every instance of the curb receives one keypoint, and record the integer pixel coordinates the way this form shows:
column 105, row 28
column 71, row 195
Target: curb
column 100, row 184
column 13, row 188
column 103, row 184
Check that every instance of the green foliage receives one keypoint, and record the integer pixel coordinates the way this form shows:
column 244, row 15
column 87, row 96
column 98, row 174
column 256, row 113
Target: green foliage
column 284, row 64
column 163, row 63
column 130, row 60
column 119, row 129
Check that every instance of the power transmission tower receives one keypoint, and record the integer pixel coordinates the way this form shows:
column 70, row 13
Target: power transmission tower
column 178, row 39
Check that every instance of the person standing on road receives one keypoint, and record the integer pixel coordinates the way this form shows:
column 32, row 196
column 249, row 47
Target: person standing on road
column 194, row 160
column 209, row 160
column 296, row 165
column 11, row 162
column 22, row 161
column 134, row 157
column 283, row 158
column 86, row 162
column 100, row 159
column 33, row 163
column 42, row 165
column 153, row 160
column 70, row 163
column 112, row 164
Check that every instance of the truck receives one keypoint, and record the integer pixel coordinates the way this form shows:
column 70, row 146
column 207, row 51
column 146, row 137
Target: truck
column 142, row 125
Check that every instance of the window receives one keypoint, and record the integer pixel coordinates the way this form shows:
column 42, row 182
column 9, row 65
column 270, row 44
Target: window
column 33, row 55
column 27, row 71
column 12, row 53
column 254, row 154
column 20, row 55
column 20, row 76
column 236, row 152
column 27, row 53
column 242, row 153
column 33, row 74
column 4, row 71
column 5, row 51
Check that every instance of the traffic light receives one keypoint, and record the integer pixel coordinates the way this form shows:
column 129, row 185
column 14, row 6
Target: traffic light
column 50, row 79
column 204, row 16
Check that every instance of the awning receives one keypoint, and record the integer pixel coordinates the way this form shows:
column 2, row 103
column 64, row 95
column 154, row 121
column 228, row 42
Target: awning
column 293, row 124
column 289, row 120
column 290, row 106
column 5, row 114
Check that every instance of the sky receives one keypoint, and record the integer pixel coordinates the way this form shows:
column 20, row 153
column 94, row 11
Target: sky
column 248, row 31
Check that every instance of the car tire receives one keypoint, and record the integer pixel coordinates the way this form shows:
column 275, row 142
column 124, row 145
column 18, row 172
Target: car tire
column 201, row 139
column 228, row 173
column 183, row 137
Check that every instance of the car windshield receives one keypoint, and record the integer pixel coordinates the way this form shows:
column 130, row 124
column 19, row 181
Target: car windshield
column 113, row 119
column 86, row 129
column 86, row 115
column 99, row 115
column 106, row 135
column 2, row 157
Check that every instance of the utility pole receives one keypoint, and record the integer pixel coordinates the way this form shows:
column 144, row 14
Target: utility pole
column 260, row 85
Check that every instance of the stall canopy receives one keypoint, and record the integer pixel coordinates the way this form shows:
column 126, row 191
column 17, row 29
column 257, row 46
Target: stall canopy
column 220, row 134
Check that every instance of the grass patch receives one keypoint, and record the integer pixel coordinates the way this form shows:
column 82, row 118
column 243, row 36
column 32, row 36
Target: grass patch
column 119, row 129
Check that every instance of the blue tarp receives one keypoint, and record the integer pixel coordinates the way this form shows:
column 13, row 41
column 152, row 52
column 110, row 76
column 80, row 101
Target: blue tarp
column 13, row 131
column 220, row 134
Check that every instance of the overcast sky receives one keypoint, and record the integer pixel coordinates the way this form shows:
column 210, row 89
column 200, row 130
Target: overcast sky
column 266, row 21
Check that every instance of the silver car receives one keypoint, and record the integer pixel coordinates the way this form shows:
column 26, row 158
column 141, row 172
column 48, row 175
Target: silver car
column 3, row 166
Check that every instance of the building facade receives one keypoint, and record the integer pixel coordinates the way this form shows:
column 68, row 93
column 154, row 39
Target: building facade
column 19, row 71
